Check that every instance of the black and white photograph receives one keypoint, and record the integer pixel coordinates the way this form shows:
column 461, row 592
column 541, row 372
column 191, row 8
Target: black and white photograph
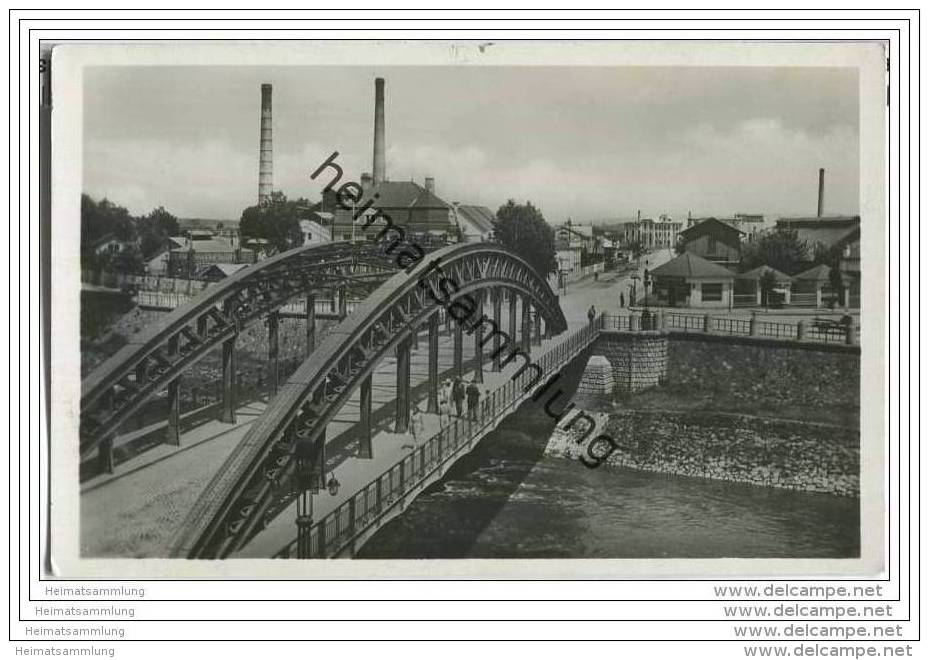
column 469, row 301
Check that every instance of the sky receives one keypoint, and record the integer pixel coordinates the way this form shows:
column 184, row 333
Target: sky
column 582, row 142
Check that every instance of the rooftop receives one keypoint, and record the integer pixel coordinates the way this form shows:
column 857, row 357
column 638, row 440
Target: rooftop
column 758, row 273
column 479, row 216
column 709, row 223
column 402, row 194
column 209, row 245
column 691, row 266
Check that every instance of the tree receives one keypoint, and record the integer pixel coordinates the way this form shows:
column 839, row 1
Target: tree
column 766, row 283
column 832, row 257
column 277, row 222
column 154, row 230
column 101, row 218
column 521, row 228
column 782, row 250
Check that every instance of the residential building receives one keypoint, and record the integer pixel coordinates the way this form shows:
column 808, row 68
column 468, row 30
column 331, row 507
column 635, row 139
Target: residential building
column 224, row 228
column 649, row 233
column 691, row 281
column 109, row 244
column 474, row 223
column 814, row 287
column 217, row 272
column 714, row 240
column 191, row 259
column 839, row 234
column 158, row 263
column 749, row 287
column 576, row 247
column 414, row 207
column 317, row 229
column 750, row 224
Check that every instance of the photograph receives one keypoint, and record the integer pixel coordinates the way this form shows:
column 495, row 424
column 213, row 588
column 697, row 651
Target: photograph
column 469, row 301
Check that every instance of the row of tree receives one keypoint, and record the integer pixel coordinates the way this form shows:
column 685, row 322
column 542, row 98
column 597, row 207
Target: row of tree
column 521, row 227
column 141, row 237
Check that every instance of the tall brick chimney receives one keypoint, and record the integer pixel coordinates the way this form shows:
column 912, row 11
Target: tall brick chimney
column 380, row 159
column 265, row 156
column 822, row 192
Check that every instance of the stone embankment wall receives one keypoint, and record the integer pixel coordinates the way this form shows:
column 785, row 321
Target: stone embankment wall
column 743, row 409
column 772, row 372
column 640, row 360
column 763, row 452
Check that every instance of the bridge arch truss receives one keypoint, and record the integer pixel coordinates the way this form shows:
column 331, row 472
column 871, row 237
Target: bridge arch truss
column 264, row 472
column 156, row 357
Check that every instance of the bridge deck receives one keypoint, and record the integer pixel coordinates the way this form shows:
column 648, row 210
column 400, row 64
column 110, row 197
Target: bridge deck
column 355, row 475
column 136, row 511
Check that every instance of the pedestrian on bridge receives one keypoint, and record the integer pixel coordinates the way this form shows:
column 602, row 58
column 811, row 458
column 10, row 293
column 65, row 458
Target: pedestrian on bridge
column 458, row 394
column 445, row 403
column 474, row 397
column 417, row 426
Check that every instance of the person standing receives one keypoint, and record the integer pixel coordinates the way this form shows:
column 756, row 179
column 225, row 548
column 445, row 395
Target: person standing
column 474, row 396
column 417, row 427
column 443, row 404
column 458, row 394
column 591, row 314
column 449, row 399
column 622, row 300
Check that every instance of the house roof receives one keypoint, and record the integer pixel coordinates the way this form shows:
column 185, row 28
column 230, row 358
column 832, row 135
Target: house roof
column 402, row 194
column 758, row 273
column 206, row 223
column 209, row 245
column 225, row 269
column 829, row 231
column 481, row 217
column 702, row 227
column 690, row 266
column 818, row 273
column 106, row 238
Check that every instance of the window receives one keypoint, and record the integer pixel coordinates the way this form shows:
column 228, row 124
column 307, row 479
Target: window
column 712, row 292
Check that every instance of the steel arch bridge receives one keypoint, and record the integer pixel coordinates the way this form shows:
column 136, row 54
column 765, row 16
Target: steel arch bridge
column 283, row 453
column 156, row 357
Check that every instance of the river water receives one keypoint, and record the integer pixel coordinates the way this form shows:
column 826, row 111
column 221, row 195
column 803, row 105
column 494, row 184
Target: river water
column 507, row 500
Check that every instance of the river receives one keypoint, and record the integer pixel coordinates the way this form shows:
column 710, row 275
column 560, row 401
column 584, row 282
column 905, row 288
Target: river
column 508, row 500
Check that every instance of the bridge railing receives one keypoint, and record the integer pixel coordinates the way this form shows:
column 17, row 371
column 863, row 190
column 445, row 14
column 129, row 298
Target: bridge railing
column 335, row 531
column 814, row 330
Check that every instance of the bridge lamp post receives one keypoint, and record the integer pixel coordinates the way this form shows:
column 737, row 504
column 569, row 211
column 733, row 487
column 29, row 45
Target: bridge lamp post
column 333, row 485
column 305, row 524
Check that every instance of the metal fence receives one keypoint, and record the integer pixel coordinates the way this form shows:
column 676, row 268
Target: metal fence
column 686, row 322
column 334, row 532
column 825, row 331
column 744, row 300
column 803, row 299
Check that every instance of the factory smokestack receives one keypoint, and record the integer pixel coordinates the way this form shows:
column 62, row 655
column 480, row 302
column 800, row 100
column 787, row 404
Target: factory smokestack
column 822, row 192
column 265, row 156
column 380, row 160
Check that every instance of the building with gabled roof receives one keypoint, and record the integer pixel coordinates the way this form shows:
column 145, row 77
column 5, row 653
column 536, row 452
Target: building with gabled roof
column 409, row 205
column 749, row 289
column 689, row 280
column 474, row 222
column 714, row 240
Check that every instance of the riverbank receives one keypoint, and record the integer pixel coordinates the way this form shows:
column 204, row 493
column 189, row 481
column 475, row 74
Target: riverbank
column 787, row 454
